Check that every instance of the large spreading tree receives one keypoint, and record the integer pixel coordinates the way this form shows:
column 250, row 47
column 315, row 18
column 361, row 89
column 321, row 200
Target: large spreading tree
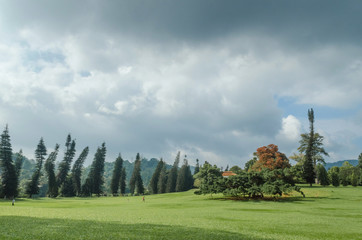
column 211, row 179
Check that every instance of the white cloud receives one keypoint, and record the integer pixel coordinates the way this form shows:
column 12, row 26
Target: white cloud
column 124, row 70
column 291, row 129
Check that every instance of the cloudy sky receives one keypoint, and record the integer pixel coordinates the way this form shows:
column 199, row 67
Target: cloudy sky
column 213, row 79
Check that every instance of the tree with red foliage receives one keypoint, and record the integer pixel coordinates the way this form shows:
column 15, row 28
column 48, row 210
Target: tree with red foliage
column 269, row 157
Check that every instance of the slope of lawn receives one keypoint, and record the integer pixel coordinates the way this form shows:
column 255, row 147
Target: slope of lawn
column 325, row 213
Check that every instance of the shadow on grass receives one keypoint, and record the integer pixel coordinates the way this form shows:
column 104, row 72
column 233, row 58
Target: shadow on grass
column 15, row 227
column 314, row 186
column 264, row 199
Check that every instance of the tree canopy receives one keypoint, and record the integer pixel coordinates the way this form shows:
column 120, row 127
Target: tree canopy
column 269, row 157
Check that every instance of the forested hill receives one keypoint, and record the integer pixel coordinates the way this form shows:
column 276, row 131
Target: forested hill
column 340, row 163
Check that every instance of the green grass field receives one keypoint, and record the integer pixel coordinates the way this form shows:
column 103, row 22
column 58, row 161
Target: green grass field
column 325, row 213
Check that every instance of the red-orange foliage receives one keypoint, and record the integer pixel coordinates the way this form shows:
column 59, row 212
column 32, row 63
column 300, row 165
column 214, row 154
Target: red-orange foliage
column 269, row 157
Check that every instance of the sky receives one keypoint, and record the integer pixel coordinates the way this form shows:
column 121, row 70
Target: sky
column 212, row 79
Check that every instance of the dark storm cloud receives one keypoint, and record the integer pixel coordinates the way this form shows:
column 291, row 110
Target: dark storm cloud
column 302, row 22
column 312, row 21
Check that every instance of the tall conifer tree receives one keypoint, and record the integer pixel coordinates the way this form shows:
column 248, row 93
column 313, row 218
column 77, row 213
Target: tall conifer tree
column 98, row 170
column 122, row 181
column 64, row 166
column 136, row 183
column 156, row 175
column 94, row 181
column 308, row 166
column 50, row 169
column 19, row 159
column 67, row 188
column 162, row 180
column 197, row 168
column 184, row 178
column 9, row 179
column 40, row 153
column 77, row 171
column 116, row 176
column 172, row 176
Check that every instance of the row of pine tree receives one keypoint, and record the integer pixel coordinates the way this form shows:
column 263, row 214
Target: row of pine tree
column 173, row 180
column 66, row 179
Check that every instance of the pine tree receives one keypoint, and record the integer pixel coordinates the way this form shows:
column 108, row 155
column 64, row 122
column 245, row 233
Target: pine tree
column 19, row 159
column 172, row 176
column 308, row 167
column 40, row 153
column 77, row 171
column 136, row 183
column 132, row 181
column 94, row 181
column 67, row 188
column 140, row 189
column 97, row 170
column 122, row 181
column 9, row 179
column 162, row 180
column 197, row 168
column 155, row 177
column 87, row 186
column 64, row 166
column 50, row 169
column 117, row 171
column 189, row 179
column 184, row 178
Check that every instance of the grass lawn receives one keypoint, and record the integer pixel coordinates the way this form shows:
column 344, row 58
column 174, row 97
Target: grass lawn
column 325, row 213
